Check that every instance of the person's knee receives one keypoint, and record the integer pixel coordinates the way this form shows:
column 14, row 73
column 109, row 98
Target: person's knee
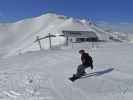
column 79, row 66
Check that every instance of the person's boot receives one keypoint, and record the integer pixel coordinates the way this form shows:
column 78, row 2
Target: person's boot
column 74, row 77
column 80, row 74
column 83, row 73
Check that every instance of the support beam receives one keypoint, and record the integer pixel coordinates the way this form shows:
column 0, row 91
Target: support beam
column 39, row 42
column 49, row 36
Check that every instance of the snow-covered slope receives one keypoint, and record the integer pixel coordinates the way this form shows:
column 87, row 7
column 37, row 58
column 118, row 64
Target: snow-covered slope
column 43, row 75
column 121, row 31
column 20, row 36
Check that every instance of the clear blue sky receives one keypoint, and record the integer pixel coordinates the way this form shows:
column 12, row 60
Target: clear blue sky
column 99, row 10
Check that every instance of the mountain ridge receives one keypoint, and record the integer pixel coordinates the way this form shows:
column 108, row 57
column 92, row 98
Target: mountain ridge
column 16, row 36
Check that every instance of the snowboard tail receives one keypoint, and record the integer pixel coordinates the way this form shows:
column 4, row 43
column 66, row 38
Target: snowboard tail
column 75, row 77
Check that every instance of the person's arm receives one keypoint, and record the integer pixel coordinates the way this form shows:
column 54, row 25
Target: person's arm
column 83, row 59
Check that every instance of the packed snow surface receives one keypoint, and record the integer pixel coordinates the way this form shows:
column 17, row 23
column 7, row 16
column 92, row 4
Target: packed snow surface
column 43, row 75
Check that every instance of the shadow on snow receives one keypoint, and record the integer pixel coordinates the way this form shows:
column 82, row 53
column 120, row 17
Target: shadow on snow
column 98, row 73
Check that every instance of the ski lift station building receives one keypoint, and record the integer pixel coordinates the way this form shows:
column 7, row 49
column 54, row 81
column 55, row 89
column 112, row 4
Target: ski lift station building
column 80, row 36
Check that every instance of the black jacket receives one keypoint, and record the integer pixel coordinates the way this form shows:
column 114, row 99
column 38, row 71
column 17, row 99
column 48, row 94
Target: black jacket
column 86, row 59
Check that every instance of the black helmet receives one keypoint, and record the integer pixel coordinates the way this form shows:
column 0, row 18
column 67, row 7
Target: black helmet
column 81, row 51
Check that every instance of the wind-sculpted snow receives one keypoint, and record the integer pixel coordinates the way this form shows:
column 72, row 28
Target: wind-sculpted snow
column 43, row 75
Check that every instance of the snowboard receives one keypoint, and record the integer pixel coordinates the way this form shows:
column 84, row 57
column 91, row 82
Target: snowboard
column 74, row 77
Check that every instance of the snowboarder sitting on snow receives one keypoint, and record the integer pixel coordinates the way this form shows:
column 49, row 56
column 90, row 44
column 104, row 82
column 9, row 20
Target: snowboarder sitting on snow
column 86, row 60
